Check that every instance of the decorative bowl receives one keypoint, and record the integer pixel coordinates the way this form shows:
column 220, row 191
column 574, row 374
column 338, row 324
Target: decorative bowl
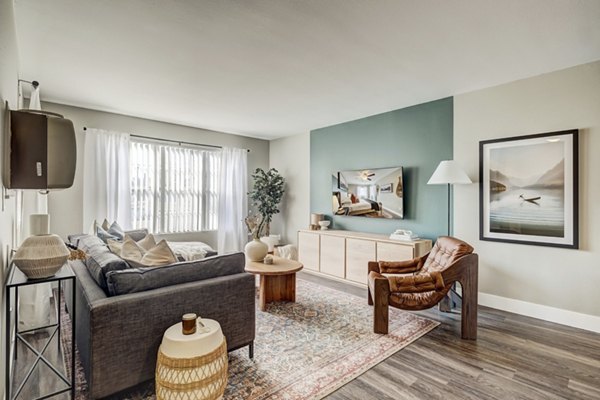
column 324, row 224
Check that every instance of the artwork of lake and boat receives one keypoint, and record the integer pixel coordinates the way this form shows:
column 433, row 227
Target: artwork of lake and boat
column 528, row 189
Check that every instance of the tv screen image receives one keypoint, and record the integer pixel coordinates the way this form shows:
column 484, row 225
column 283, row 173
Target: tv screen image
column 369, row 193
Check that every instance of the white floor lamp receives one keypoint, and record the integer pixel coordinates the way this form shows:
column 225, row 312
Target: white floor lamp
column 448, row 172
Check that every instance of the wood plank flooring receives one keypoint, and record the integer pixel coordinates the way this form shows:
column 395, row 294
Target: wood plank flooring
column 515, row 357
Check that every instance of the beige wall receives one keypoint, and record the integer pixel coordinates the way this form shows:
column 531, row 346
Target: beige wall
column 291, row 157
column 66, row 206
column 521, row 277
column 8, row 92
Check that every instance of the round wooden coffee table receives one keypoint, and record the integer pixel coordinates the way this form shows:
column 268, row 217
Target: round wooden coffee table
column 277, row 281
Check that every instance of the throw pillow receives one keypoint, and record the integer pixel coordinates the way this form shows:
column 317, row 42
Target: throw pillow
column 104, row 235
column 130, row 250
column 147, row 242
column 115, row 246
column 116, row 230
column 105, row 224
column 158, row 256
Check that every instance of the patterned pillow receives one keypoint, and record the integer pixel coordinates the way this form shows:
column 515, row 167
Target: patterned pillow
column 116, row 230
column 104, row 235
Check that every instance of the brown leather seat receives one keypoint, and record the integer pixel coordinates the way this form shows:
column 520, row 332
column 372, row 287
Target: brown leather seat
column 423, row 282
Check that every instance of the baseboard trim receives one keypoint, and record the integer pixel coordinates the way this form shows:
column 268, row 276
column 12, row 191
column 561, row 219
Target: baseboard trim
column 546, row 313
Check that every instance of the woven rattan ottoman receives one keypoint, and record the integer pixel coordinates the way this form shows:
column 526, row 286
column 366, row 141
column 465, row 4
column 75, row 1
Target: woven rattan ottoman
column 192, row 366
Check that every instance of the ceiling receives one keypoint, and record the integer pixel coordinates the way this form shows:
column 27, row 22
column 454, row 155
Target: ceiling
column 360, row 177
column 272, row 68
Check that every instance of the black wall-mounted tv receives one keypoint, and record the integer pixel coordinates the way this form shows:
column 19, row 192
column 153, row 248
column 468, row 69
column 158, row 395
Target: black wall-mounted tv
column 368, row 193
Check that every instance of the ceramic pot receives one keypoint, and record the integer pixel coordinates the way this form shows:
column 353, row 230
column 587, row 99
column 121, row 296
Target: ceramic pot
column 41, row 256
column 256, row 250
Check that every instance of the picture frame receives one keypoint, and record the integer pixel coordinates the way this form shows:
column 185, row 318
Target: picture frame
column 529, row 189
column 387, row 188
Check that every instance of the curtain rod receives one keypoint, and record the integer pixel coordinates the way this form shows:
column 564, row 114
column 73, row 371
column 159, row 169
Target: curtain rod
column 179, row 142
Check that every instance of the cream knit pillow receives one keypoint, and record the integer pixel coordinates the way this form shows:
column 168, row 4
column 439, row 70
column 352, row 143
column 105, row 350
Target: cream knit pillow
column 130, row 250
column 146, row 244
column 115, row 246
column 158, row 256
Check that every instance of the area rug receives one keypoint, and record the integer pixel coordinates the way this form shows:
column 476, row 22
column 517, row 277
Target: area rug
column 308, row 349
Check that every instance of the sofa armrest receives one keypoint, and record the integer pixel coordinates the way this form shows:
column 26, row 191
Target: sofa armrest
column 127, row 330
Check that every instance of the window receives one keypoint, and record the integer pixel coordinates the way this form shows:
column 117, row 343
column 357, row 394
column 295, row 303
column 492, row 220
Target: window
column 173, row 188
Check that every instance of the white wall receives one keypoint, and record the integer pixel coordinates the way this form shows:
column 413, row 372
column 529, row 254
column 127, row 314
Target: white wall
column 291, row 157
column 550, row 283
column 66, row 206
column 8, row 92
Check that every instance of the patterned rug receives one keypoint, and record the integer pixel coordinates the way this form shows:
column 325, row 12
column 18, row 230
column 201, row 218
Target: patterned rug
column 308, row 349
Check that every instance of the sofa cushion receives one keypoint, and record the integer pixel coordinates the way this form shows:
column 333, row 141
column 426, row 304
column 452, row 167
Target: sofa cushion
column 100, row 260
column 135, row 280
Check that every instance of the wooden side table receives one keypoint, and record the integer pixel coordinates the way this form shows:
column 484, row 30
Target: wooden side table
column 277, row 281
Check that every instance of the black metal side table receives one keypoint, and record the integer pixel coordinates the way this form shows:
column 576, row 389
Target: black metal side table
column 17, row 279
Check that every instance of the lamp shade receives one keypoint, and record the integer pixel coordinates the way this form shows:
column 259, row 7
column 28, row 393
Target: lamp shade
column 449, row 172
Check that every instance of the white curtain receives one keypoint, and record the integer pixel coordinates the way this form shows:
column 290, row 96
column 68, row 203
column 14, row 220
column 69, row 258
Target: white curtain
column 233, row 200
column 106, row 182
column 34, row 300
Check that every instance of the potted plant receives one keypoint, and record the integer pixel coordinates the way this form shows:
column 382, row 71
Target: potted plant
column 266, row 196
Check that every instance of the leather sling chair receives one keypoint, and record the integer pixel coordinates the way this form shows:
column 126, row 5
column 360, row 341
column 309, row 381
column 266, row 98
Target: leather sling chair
column 423, row 282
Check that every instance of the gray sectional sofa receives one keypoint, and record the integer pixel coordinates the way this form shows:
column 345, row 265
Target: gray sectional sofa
column 120, row 324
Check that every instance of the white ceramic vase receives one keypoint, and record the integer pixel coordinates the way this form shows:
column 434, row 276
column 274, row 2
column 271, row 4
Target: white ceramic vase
column 256, row 250
column 41, row 256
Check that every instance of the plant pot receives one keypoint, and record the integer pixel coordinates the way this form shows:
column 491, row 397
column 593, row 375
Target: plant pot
column 256, row 250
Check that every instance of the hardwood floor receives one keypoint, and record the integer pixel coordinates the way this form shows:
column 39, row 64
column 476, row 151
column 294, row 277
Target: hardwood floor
column 514, row 357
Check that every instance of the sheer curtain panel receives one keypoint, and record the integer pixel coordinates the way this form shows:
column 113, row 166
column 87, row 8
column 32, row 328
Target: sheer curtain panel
column 106, row 183
column 233, row 200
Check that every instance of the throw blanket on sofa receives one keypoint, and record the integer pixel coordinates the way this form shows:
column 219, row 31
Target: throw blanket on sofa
column 191, row 251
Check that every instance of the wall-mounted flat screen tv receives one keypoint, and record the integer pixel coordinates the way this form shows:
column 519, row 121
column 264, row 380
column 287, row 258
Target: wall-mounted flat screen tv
column 370, row 193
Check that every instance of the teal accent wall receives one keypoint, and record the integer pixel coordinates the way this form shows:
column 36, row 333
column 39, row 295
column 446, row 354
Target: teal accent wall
column 416, row 138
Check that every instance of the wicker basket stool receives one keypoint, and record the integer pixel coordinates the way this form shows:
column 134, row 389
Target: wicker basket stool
column 192, row 366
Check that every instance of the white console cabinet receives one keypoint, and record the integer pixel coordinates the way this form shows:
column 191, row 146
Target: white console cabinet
column 344, row 255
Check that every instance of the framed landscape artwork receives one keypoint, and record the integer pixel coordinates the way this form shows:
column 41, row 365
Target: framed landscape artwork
column 528, row 189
